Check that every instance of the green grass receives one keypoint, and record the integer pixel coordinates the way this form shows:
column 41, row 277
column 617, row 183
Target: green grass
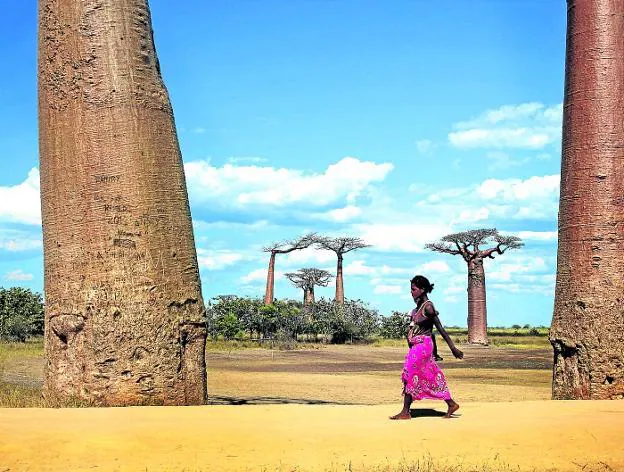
column 31, row 348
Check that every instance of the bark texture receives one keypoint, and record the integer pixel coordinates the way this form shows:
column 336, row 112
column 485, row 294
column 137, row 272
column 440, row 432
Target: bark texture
column 270, row 285
column 587, row 331
column 477, row 307
column 125, row 321
column 339, row 281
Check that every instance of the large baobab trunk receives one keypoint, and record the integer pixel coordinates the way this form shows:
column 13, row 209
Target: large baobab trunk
column 125, row 321
column 270, row 285
column 587, row 331
column 339, row 284
column 477, row 309
column 308, row 295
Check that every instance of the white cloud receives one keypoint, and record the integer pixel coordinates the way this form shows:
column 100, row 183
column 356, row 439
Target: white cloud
column 525, row 126
column 510, row 190
column 306, row 257
column 258, row 275
column 18, row 245
column 402, row 237
column 21, row 203
column 525, row 138
column 341, row 215
column 388, row 289
column 535, row 198
column 248, row 186
column 435, row 266
column 216, row 260
column 18, row 275
column 358, row 267
column 537, row 235
column 474, row 215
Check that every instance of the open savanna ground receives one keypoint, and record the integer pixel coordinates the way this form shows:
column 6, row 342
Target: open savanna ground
column 322, row 408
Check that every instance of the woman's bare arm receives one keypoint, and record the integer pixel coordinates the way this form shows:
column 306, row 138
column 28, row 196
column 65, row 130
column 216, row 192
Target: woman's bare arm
column 431, row 312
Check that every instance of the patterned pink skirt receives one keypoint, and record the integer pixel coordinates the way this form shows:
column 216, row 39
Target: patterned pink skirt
column 422, row 378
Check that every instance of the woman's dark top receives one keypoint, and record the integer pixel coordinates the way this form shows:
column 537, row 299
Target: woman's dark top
column 423, row 325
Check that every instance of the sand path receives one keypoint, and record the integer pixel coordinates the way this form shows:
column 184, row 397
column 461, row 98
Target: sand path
column 545, row 435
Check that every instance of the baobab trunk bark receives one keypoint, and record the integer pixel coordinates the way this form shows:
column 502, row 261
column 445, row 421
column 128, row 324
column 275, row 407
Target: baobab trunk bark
column 308, row 296
column 124, row 314
column 339, row 285
column 477, row 309
column 587, row 331
column 268, row 293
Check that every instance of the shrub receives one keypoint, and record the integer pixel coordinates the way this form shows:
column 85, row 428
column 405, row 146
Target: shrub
column 21, row 314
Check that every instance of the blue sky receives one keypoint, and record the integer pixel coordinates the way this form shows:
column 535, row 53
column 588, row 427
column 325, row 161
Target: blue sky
column 395, row 123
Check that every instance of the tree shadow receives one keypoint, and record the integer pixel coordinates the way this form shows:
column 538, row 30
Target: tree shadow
column 425, row 412
column 221, row 400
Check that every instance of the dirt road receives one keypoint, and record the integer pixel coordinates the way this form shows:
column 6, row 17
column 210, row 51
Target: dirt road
column 535, row 435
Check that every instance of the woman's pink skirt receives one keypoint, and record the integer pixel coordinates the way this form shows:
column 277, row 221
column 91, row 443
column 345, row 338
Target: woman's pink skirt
column 422, row 378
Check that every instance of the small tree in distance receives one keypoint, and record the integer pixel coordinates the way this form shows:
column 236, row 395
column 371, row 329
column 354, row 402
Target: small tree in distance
column 283, row 247
column 340, row 246
column 468, row 245
column 307, row 279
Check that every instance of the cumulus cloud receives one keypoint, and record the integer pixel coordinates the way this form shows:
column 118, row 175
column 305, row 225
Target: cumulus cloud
column 537, row 235
column 402, row 237
column 18, row 275
column 388, row 289
column 240, row 187
column 306, row 257
column 258, row 275
column 524, row 126
column 217, row 260
column 534, row 198
column 20, row 203
column 13, row 240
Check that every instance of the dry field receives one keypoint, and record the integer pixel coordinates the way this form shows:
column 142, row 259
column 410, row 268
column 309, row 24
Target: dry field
column 322, row 409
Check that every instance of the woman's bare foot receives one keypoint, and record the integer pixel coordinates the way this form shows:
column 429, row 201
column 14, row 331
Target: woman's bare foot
column 401, row 416
column 452, row 408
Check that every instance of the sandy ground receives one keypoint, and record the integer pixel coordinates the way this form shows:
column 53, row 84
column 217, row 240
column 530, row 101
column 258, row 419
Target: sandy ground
column 537, row 435
column 325, row 410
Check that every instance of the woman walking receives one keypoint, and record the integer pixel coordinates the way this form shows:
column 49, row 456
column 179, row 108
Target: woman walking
column 422, row 378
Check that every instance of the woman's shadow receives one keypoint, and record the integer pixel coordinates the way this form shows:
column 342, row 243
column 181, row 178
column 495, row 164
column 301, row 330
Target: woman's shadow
column 425, row 412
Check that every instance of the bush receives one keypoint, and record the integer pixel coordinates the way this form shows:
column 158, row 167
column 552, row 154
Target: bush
column 21, row 314
column 393, row 326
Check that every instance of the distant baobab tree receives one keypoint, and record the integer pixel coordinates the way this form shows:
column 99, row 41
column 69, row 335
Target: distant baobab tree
column 125, row 321
column 283, row 247
column 468, row 245
column 340, row 246
column 307, row 279
column 587, row 330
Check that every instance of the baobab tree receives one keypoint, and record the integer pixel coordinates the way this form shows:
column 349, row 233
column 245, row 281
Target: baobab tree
column 587, row 331
column 283, row 247
column 307, row 279
column 124, row 314
column 340, row 246
column 468, row 245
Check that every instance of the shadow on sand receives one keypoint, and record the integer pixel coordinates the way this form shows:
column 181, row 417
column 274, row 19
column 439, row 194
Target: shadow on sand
column 425, row 412
column 216, row 400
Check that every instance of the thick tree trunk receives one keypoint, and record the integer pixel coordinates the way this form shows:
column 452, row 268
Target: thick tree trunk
column 339, row 285
column 268, row 293
column 477, row 309
column 308, row 296
column 587, row 331
column 125, row 321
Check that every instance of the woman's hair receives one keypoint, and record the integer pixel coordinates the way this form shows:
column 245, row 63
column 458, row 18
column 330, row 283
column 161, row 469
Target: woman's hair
column 422, row 283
